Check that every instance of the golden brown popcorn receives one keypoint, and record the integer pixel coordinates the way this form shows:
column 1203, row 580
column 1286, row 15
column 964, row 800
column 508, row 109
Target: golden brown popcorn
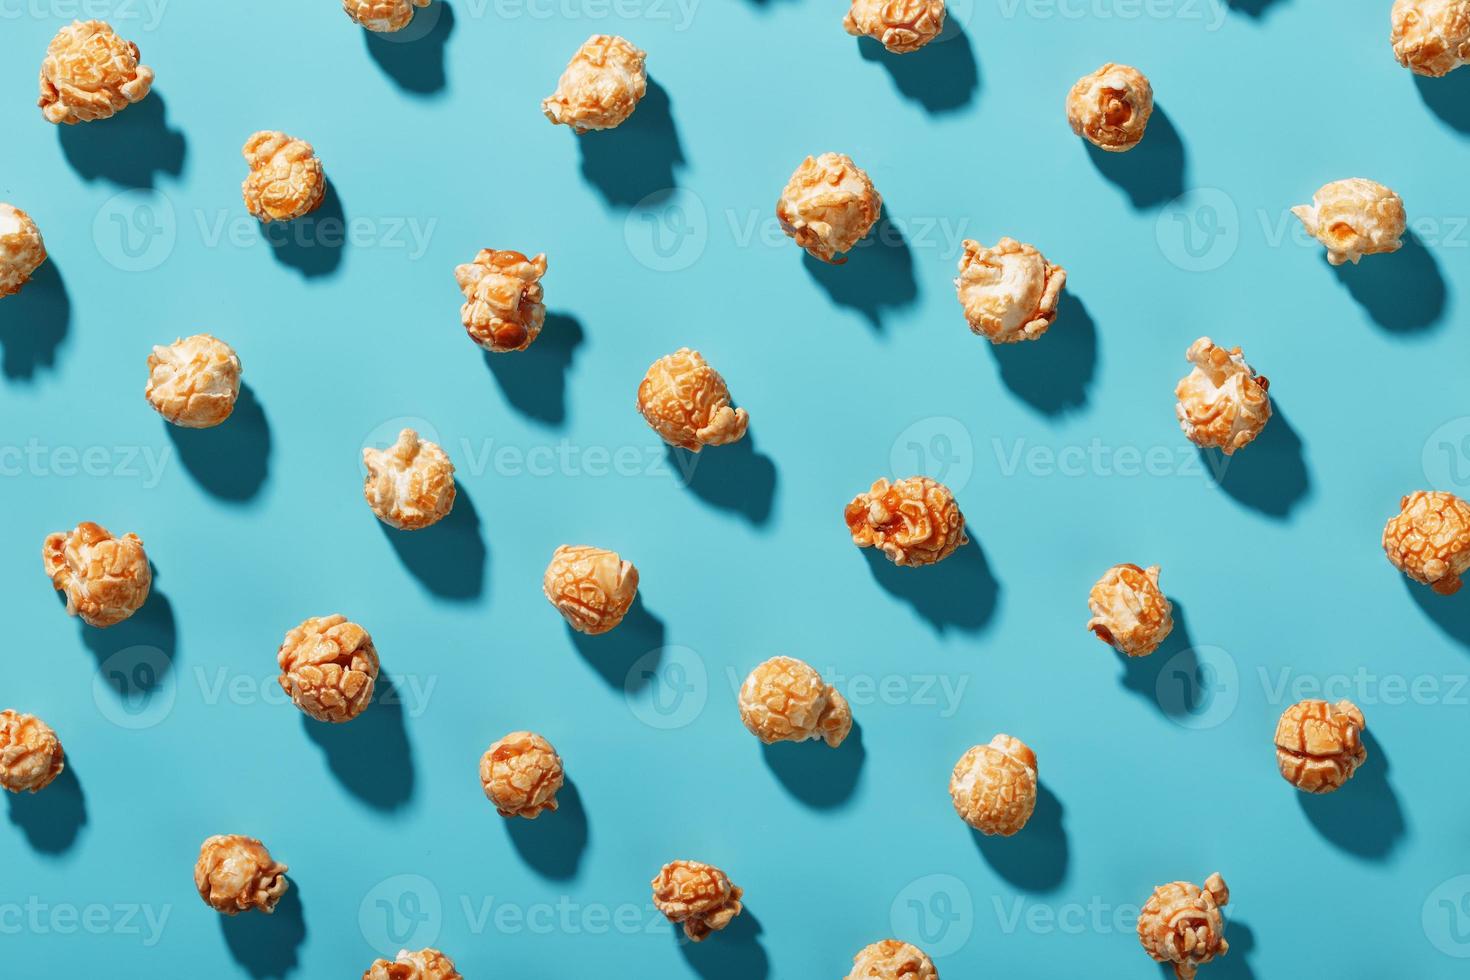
column 914, row 521
column 1222, row 403
column 105, row 579
column 286, row 180
column 994, row 786
column 1429, row 539
column 521, row 774
column 1319, row 745
column 828, row 206
column 236, row 874
column 1110, row 107
column 329, row 666
column 409, row 485
column 900, row 26
column 90, row 73
column 30, row 753
column 786, row 700
column 423, row 964
column 591, row 587
column 382, row 16
column 687, row 402
column 503, row 308
column 698, row 896
column 892, row 960
column 1009, row 293
column 1181, row 924
column 21, row 249
column 603, row 84
column 1354, row 218
column 1129, row 610
column 1431, row 37
column 193, row 382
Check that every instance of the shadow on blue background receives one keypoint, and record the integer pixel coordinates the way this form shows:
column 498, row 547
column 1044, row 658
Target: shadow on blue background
column 818, row 775
column 638, row 158
column 534, row 380
column 414, row 57
column 1141, row 674
column 1153, row 172
column 53, row 818
column 1052, row 373
column 1402, row 291
column 152, row 626
column 1448, row 98
column 34, row 322
column 1450, row 613
column 1035, row 858
column 733, row 953
column 230, row 461
column 1364, row 817
column 554, row 842
column 942, row 76
column 370, row 755
column 613, row 654
column 734, row 477
column 959, row 592
column 1269, row 474
column 448, row 558
column 1252, row 8
column 878, row 274
column 266, row 944
column 312, row 244
column 130, row 149
column 1235, row 964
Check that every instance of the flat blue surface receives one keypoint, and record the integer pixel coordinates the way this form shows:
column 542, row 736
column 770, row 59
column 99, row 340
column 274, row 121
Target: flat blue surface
column 1065, row 457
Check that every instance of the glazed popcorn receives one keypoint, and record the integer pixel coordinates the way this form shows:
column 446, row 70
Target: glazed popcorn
column 193, row 382
column 423, row 964
column 914, row 521
column 90, row 73
column 1319, row 745
column 994, row 786
column 30, row 753
column 1110, row 107
column 1181, row 925
column 828, row 206
column 786, row 700
column 603, row 84
column 697, row 896
column 236, row 874
column 591, row 587
column 1222, row 402
column 1354, row 218
column 900, row 26
column 409, row 485
column 892, row 960
column 21, row 249
column 1129, row 611
column 105, row 579
column 328, row 667
column 286, row 180
column 1009, row 293
column 503, row 308
column 1431, row 37
column 521, row 775
column 1429, row 539
column 382, row 16
column 687, row 402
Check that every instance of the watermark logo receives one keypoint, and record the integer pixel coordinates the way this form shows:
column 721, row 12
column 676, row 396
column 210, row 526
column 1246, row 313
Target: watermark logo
column 936, row 913
column 1209, row 14
column 938, row 447
column 667, row 688
column 1096, row 458
column 678, row 13
column 134, row 688
column 137, row 15
column 401, row 912
column 1199, row 687
column 1199, row 230
column 136, row 231
column 1446, row 917
column 668, row 230
column 1446, row 456
column 36, row 917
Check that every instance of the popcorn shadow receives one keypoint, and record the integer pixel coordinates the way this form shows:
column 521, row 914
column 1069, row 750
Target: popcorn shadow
column 943, row 76
column 1051, row 373
column 613, row 654
column 1403, row 291
column 154, row 627
column 370, row 755
column 733, row 953
column 53, row 818
column 637, row 159
column 734, row 477
column 1152, row 173
column 230, row 461
column 1143, row 675
column 1269, row 475
column 414, row 56
column 1035, row 858
column 553, row 843
column 818, row 775
column 34, row 322
column 1252, row 8
column 131, row 149
column 448, row 558
column 1364, row 817
column 959, row 592
column 266, row 944
column 1235, row 964
column 877, row 275
column 1450, row 613
column 1448, row 98
column 534, row 380
column 312, row 244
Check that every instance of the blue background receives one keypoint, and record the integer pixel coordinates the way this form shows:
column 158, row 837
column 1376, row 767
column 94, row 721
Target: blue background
column 1153, row 770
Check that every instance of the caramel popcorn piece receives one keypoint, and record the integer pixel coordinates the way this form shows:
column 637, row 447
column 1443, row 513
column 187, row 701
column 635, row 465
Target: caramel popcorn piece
column 1319, row 745
column 236, row 873
column 994, row 786
column 603, row 84
column 1181, row 925
column 286, row 180
column 698, row 896
column 1110, row 107
column 105, row 579
column 900, row 26
column 503, row 308
column 828, row 206
column 1129, row 611
column 409, row 485
column 30, row 753
column 423, row 964
column 382, row 16
column 329, row 666
column 90, row 73
column 1009, row 293
column 521, row 775
column 1429, row 539
column 21, row 249
column 193, row 382
column 786, row 700
column 1354, row 218
column 914, row 521
column 892, row 960
column 591, row 587
column 1431, row 37
column 1222, row 402
column 687, row 403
